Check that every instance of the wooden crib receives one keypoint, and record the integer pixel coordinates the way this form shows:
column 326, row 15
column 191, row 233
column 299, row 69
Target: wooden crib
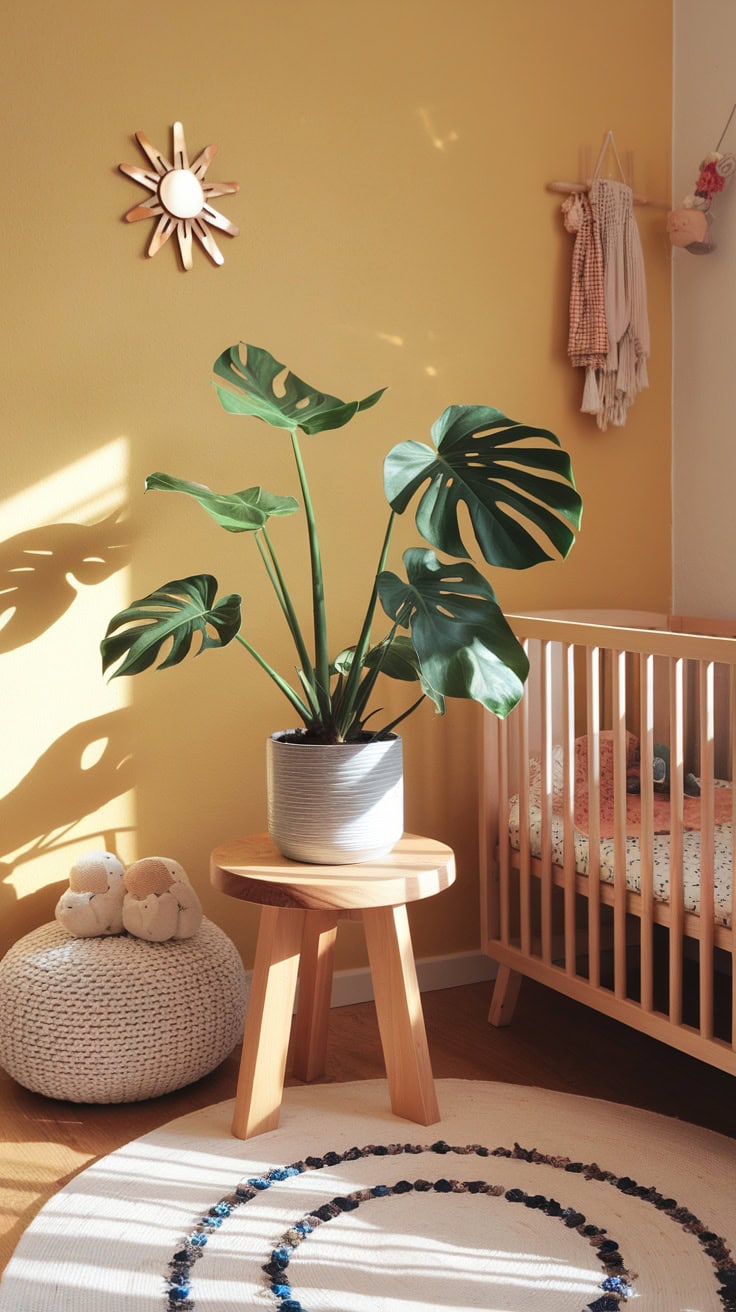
column 620, row 899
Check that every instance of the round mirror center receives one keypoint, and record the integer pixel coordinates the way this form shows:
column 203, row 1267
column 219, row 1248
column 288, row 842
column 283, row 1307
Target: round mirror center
column 181, row 193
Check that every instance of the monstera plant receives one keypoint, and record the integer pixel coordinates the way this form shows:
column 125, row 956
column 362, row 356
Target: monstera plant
column 443, row 629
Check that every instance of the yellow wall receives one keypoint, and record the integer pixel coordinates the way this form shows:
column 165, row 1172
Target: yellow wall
column 395, row 230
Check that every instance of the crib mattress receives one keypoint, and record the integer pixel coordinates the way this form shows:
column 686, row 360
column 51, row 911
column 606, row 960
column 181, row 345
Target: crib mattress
column 661, row 848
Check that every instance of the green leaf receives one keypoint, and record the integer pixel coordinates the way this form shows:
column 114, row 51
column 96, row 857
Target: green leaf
column 482, row 460
column 175, row 612
column 399, row 662
column 343, row 661
column 259, row 385
column 464, row 646
column 238, row 512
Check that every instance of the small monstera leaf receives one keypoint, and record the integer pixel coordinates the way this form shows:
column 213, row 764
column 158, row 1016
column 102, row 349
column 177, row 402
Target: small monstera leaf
column 484, row 459
column 258, row 385
column 399, row 662
column 238, row 512
column 463, row 643
column 175, row 612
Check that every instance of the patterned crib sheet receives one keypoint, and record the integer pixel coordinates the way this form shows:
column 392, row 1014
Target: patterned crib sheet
column 661, row 848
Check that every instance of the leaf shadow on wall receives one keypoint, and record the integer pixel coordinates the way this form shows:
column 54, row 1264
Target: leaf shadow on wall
column 55, row 795
column 35, row 568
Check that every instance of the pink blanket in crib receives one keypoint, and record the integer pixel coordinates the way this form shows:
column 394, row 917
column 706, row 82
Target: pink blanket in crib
column 722, row 797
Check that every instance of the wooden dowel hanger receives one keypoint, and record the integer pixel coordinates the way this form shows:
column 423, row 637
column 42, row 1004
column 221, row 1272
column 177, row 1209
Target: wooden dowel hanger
column 576, row 188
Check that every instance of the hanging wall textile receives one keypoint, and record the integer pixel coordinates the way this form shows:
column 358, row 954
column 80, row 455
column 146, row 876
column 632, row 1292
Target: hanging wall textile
column 588, row 339
column 609, row 326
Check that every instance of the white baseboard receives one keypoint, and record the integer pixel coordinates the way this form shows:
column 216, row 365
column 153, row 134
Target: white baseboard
column 448, row 972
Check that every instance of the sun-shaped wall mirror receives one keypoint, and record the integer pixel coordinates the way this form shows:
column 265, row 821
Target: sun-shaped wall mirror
column 180, row 199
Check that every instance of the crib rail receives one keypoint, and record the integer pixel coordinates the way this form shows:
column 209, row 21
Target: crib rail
column 590, row 885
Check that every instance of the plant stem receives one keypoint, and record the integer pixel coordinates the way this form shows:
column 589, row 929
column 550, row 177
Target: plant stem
column 388, row 727
column 368, row 682
column 311, row 695
column 347, row 707
column 321, row 657
column 273, row 569
column 283, row 686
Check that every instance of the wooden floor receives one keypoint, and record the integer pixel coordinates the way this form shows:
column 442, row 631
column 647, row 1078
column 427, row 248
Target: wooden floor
column 553, row 1043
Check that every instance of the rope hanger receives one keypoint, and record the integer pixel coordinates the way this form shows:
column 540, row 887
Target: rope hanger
column 609, row 140
column 578, row 187
column 725, row 130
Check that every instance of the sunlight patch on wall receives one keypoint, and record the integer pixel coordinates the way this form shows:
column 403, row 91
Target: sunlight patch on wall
column 85, row 491
column 439, row 140
column 66, row 768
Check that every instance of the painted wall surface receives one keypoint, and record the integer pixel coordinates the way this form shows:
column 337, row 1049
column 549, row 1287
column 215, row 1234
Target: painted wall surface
column 704, row 292
column 395, row 231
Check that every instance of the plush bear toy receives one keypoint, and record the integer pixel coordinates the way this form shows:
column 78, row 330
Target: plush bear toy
column 93, row 904
column 159, row 901
column 660, row 774
column 690, row 228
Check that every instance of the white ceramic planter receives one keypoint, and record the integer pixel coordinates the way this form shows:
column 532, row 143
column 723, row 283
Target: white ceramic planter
column 337, row 803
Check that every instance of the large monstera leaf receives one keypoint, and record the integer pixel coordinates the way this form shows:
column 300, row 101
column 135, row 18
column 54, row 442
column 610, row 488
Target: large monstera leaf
column 259, row 385
column 463, row 643
column 175, row 613
column 520, row 495
column 238, row 512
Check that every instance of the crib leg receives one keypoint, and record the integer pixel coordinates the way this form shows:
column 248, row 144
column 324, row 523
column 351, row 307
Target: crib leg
column 505, row 993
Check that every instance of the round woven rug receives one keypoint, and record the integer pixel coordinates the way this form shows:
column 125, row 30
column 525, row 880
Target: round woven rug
column 519, row 1199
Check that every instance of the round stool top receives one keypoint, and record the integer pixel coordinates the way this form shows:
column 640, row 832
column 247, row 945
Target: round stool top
column 252, row 868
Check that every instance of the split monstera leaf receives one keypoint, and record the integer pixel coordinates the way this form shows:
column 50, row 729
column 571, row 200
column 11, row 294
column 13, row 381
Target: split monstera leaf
column 446, row 631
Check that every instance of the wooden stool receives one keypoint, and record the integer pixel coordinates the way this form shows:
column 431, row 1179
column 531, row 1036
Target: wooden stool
column 301, row 907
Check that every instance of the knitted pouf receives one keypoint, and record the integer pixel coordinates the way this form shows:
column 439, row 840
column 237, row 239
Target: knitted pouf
column 118, row 1019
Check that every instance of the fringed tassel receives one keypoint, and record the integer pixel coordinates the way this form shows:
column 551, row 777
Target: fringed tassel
column 626, row 372
column 591, row 403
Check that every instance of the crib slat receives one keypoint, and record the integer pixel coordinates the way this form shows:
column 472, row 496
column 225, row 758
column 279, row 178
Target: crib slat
column 618, row 694
column 706, row 697
column 593, row 716
column 524, row 835
column 646, row 841
column 732, row 776
column 568, row 800
column 546, row 744
column 504, row 854
column 677, row 778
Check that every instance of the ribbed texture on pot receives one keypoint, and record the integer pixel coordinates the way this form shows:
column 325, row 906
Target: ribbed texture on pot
column 335, row 804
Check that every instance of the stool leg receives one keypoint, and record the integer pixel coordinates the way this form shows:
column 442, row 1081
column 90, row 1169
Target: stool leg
column 399, row 1010
column 315, row 989
column 268, row 1022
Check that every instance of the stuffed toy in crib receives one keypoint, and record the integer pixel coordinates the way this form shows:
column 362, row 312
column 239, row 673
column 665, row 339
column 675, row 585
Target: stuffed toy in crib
column 660, row 774
column 159, row 902
column 92, row 906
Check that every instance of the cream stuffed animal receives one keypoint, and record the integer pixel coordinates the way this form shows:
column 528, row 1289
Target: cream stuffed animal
column 159, row 901
column 93, row 904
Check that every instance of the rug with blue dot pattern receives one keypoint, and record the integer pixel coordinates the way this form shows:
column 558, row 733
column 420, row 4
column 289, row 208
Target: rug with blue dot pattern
column 519, row 1198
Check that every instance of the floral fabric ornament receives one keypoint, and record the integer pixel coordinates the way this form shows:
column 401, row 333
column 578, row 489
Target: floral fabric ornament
column 690, row 225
